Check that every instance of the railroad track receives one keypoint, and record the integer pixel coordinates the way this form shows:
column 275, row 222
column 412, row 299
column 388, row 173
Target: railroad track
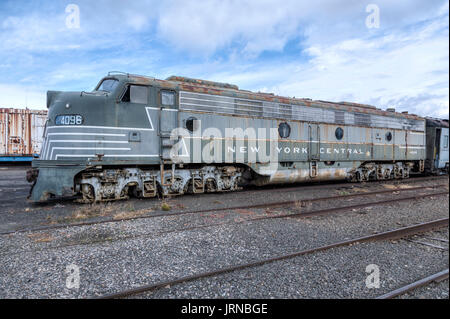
column 433, row 242
column 437, row 277
column 318, row 212
column 331, row 185
column 265, row 205
column 389, row 235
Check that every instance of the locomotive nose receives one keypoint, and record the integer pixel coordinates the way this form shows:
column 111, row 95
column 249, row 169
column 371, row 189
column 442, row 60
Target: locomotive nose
column 50, row 97
column 72, row 103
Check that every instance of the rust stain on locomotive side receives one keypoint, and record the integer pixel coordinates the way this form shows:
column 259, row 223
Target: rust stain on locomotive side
column 303, row 175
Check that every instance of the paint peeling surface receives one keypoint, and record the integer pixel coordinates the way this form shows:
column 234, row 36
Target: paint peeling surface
column 21, row 131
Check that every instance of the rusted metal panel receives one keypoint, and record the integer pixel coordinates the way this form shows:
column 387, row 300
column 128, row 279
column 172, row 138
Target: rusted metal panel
column 21, row 131
column 202, row 82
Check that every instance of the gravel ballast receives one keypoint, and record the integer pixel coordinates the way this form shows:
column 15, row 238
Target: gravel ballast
column 123, row 255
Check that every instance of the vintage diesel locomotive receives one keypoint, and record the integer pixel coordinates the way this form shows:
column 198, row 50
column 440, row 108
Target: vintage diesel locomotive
column 141, row 136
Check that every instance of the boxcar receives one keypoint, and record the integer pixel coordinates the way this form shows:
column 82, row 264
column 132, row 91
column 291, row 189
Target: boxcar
column 21, row 133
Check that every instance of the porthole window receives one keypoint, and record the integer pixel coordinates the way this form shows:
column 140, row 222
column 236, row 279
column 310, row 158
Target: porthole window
column 284, row 130
column 388, row 136
column 191, row 124
column 339, row 133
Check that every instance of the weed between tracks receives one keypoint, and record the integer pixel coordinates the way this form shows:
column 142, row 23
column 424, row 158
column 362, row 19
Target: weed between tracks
column 124, row 211
column 94, row 210
column 131, row 212
column 41, row 237
column 165, row 206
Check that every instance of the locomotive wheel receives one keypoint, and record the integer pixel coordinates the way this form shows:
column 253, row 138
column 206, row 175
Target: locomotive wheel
column 210, row 186
column 124, row 193
column 88, row 193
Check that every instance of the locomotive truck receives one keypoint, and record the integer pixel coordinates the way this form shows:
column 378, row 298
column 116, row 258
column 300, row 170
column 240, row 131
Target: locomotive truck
column 141, row 136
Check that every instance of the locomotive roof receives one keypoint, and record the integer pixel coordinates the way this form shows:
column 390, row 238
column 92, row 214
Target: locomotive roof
column 437, row 122
column 231, row 90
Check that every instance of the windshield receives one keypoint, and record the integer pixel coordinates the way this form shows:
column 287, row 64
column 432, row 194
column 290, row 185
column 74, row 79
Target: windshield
column 108, row 85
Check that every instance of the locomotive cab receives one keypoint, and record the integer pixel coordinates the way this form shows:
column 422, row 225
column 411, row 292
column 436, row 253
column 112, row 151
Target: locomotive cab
column 122, row 121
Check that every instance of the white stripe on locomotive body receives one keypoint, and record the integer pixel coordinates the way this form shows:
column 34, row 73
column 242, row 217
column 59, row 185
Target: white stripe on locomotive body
column 88, row 141
column 44, row 146
column 101, row 127
column 50, row 148
column 147, row 112
column 79, row 142
column 190, row 101
column 412, row 147
column 89, row 148
column 74, row 155
column 87, row 134
column 107, row 155
column 132, row 155
column 85, row 138
column 48, row 141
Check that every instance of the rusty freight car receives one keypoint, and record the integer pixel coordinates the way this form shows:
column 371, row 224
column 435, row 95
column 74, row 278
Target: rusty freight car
column 21, row 132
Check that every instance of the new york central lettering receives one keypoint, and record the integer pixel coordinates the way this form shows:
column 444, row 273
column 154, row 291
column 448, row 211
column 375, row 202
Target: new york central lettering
column 296, row 150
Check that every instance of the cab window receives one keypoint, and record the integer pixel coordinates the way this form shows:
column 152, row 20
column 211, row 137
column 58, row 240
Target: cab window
column 136, row 94
column 167, row 98
column 107, row 85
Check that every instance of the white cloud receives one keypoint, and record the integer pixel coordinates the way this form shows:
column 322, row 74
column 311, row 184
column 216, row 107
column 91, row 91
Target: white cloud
column 205, row 26
column 21, row 96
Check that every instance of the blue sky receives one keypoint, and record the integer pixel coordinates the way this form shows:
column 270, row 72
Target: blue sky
column 313, row 49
